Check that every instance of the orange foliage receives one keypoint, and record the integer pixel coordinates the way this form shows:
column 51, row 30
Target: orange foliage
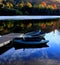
column 54, row 6
column 43, row 3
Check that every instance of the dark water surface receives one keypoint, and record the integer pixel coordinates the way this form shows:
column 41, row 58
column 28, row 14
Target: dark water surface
column 37, row 56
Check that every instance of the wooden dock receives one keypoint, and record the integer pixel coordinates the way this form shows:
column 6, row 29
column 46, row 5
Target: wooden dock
column 5, row 39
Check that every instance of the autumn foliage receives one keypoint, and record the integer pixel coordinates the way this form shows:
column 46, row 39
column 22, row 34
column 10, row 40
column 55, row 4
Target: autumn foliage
column 44, row 3
column 28, row 8
column 54, row 6
column 8, row 26
column 28, row 4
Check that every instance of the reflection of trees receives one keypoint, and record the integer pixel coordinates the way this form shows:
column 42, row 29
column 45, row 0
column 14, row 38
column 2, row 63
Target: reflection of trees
column 29, row 25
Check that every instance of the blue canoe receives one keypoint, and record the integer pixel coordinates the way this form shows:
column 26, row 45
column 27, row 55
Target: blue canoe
column 34, row 33
column 29, row 42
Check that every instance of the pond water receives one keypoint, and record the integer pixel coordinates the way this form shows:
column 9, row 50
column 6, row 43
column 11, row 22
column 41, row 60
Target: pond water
column 38, row 56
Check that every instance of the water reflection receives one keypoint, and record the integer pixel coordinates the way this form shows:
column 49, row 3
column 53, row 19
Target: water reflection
column 54, row 44
column 51, row 52
column 52, row 33
column 8, row 26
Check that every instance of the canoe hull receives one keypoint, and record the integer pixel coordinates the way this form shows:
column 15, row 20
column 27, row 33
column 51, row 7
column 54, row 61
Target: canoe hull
column 28, row 45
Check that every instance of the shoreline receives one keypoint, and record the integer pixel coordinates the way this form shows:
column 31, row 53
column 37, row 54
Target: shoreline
column 27, row 17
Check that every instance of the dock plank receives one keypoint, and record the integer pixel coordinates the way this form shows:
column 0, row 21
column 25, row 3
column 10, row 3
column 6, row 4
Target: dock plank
column 5, row 39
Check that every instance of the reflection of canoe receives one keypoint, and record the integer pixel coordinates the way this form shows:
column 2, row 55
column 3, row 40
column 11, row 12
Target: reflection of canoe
column 35, row 33
column 29, row 42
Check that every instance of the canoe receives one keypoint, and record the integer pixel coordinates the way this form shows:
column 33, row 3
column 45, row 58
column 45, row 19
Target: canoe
column 28, row 43
column 34, row 33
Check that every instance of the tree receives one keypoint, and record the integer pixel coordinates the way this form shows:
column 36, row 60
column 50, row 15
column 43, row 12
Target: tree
column 44, row 4
column 35, row 6
column 21, row 4
column 28, row 4
column 41, row 6
column 50, row 7
column 9, row 5
column 54, row 6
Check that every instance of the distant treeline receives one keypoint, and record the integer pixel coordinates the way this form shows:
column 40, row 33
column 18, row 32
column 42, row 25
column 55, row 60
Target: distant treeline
column 29, row 11
column 9, row 8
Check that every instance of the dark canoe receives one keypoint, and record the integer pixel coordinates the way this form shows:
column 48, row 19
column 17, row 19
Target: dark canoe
column 28, row 43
